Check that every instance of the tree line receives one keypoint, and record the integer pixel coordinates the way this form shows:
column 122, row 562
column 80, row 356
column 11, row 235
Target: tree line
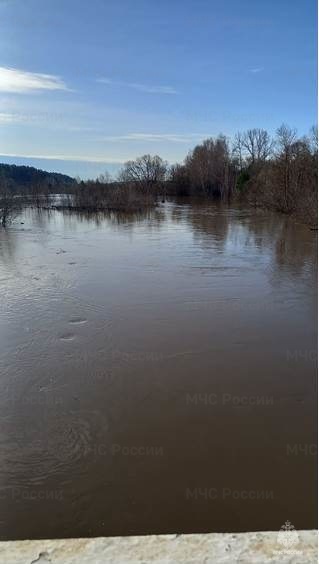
column 277, row 172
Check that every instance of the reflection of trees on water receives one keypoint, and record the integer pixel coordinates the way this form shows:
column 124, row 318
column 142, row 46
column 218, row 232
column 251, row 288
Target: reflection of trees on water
column 8, row 245
column 291, row 247
column 40, row 217
column 288, row 248
column 295, row 248
column 151, row 217
column 209, row 222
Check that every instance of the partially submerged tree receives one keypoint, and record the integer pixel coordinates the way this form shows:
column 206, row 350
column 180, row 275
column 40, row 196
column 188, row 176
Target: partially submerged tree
column 10, row 203
column 209, row 169
column 279, row 174
column 147, row 173
column 179, row 180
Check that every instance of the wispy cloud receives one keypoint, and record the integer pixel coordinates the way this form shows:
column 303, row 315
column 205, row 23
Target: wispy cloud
column 19, row 81
column 149, row 89
column 74, row 158
column 170, row 137
column 256, row 70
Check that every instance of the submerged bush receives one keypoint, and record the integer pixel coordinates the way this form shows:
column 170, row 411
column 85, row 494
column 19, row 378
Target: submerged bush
column 10, row 205
column 97, row 196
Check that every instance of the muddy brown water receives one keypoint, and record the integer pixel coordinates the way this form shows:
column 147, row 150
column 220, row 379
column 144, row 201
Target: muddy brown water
column 157, row 373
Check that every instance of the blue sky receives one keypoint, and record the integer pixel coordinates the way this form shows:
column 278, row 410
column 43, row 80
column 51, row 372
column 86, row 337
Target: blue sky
column 88, row 84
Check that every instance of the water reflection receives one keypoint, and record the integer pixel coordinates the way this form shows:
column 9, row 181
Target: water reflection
column 115, row 218
column 110, row 323
column 291, row 245
column 8, row 241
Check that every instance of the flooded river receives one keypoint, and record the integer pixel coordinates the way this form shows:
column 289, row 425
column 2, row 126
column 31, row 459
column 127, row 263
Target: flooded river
column 157, row 373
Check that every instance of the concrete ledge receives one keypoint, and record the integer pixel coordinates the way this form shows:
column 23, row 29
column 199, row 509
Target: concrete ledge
column 213, row 548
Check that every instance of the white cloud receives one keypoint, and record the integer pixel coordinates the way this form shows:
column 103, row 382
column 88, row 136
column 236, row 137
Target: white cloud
column 150, row 89
column 170, row 137
column 75, row 158
column 19, row 81
column 257, row 69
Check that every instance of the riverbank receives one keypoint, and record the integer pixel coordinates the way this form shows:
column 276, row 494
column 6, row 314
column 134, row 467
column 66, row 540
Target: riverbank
column 221, row 548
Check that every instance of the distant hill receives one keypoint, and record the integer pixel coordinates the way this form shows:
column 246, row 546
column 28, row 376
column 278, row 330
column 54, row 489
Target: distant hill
column 27, row 176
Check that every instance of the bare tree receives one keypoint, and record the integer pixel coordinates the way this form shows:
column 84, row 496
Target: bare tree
column 10, row 204
column 179, row 178
column 286, row 137
column 285, row 141
column 147, row 172
column 209, row 168
column 238, row 149
column 314, row 139
column 258, row 144
column 104, row 178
